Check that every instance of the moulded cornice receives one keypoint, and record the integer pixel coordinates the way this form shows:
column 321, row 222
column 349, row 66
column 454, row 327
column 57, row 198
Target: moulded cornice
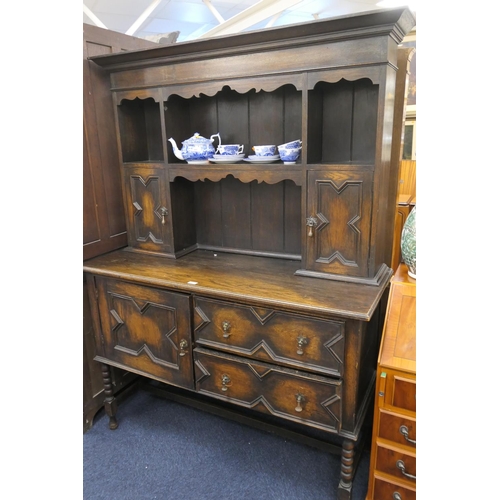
column 395, row 23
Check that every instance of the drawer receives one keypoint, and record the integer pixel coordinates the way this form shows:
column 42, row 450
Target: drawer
column 387, row 490
column 265, row 334
column 404, row 394
column 396, row 462
column 394, row 427
column 146, row 330
column 298, row 396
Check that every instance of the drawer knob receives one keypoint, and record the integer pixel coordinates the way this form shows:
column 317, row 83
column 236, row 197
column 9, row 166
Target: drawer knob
column 183, row 346
column 404, row 430
column 226, row 328
column 301, row 342
column 401, row 466
column 300, row 401
column 396, row 496
column 225, row 382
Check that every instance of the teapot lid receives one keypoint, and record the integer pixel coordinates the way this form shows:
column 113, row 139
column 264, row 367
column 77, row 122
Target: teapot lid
column 196, row 138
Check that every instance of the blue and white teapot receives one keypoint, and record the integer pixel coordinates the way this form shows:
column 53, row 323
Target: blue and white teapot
column 195, row 149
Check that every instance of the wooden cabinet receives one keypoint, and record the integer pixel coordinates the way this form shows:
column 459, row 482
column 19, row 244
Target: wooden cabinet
column 104, row 225
column 271, row 278
column 338, row 237
column 393, row 454
column 147, row 204
column 145, row 330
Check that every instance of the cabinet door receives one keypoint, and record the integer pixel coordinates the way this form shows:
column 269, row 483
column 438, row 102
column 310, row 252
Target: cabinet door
column 146, row 330
column 148, row 209
column 339, row 212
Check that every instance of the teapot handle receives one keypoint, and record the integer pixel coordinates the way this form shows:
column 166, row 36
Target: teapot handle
column 215, row 135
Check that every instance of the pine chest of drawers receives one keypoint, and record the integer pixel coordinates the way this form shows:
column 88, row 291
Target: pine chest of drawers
column 393, row 454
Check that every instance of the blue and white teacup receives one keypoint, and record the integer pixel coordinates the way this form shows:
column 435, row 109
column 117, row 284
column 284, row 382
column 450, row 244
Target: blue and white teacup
column 230, row 149
column 289, row 154
column 267, row 150
column 291, row 144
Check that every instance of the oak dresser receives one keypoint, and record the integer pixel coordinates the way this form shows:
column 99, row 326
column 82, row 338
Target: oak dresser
column 259, row 286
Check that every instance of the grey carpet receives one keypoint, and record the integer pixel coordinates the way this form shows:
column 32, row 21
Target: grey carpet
column 167, row 451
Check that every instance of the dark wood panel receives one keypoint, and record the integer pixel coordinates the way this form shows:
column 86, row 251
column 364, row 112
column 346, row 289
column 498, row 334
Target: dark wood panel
column 314, row 126
column 231, row 108
column 266, row 118
column 183, row 214
column 177, row 125
column 248, row 216
column 91, row 229
column 208, row 209
column 292, row 113
column 364, row 125
column 236, row 213
column 203, row 118
column 337, row 121
column 267, row 216
column 139, row 122
column 293, row 219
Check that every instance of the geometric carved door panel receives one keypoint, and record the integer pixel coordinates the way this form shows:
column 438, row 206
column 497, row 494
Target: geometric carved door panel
column 148, row 216
column 339, row 204
column 146, row 329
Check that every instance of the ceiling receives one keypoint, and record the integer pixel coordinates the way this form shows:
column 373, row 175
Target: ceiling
column 155, row 19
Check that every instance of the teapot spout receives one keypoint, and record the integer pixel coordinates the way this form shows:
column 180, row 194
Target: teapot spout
column 176, row 150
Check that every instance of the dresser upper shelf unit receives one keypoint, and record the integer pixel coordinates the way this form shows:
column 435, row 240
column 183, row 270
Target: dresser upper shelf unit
column 329, row 83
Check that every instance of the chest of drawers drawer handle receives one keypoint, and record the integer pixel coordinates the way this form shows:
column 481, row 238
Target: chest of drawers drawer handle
column 301, row 342
column 183, row 346
column 226, row 328
column 396, row 496
column 404, row 430
column 225, row 382
column 401, row 466
column 300, row 401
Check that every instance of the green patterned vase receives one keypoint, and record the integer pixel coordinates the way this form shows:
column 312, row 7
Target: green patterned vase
column 409, row 243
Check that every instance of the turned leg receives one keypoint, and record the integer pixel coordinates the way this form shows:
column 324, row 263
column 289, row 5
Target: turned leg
column 346, row 470
column 109, row 401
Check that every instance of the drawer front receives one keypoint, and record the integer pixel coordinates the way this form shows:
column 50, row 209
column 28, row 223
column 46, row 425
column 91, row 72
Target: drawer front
column 405, row 394
column 268, row 335
column 386, row 490
column 399, row 429
column 308, row 399
column 147, row 330
column 397, row 463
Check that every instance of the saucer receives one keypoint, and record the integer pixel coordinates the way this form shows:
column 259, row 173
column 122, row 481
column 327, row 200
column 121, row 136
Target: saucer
column 264, row 159
column 226, row 159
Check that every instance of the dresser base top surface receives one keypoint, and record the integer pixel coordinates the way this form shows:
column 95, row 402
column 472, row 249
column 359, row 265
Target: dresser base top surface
column 242, row 278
